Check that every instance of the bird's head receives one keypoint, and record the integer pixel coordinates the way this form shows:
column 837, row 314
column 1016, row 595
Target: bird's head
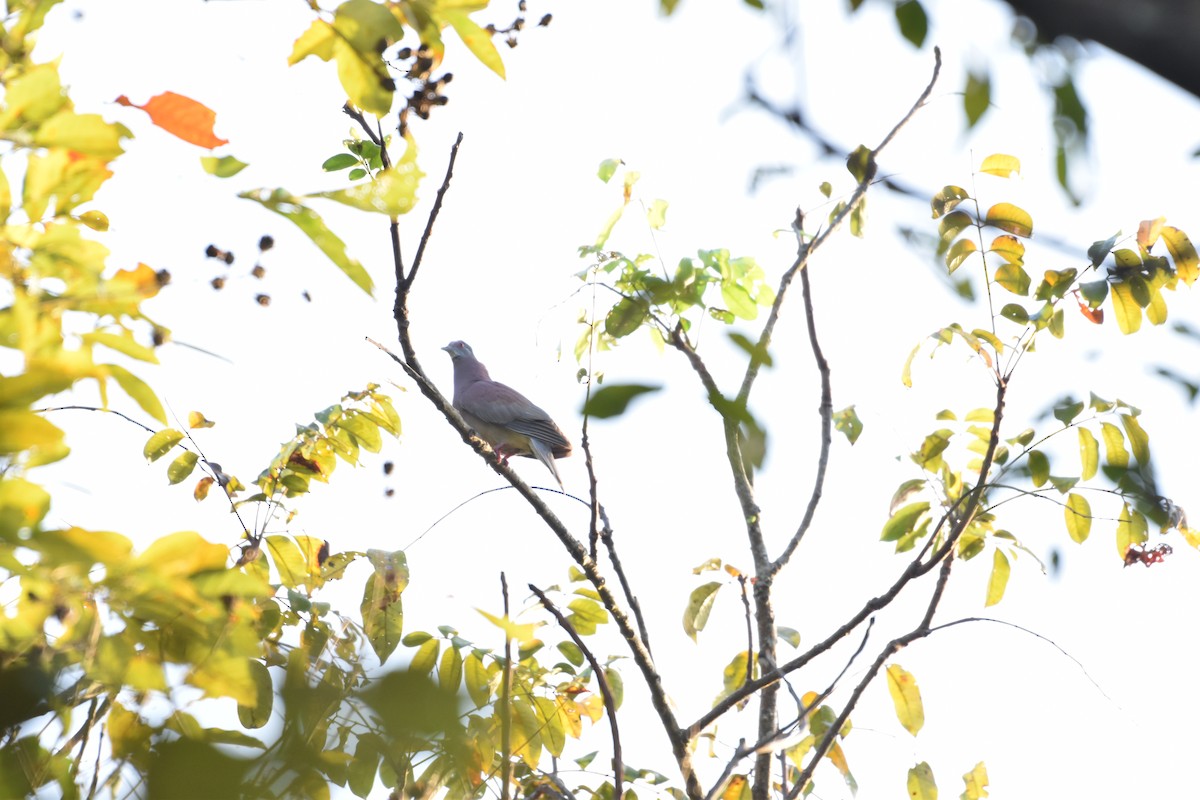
column 459, row 350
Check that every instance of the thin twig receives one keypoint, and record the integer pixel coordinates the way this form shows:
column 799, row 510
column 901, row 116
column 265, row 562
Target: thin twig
column 749, row 629
column 610, row 703
column 433, row 213
column 920, row 632
column 826, row 412
column 505, row 705
column 356, row 115
column 606, row 536
column 916, row 568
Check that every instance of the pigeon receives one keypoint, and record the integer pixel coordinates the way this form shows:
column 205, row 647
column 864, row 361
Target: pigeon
column 501, row 415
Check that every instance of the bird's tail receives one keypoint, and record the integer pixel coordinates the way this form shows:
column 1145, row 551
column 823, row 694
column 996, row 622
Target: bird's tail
column 546, row 455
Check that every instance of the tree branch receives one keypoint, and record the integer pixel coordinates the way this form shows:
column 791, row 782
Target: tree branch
column 506, row 705
column 641, row 655
column 610, row 703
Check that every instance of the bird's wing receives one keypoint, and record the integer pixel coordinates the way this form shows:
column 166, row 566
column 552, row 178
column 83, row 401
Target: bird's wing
column 502, row 405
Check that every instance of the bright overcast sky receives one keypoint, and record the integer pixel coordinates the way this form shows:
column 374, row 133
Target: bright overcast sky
column 614, row 80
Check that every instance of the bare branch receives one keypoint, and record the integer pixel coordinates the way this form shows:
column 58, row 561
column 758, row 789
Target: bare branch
column 610, row 702
column 506, row 706
column 826, row 412
column 433, row 213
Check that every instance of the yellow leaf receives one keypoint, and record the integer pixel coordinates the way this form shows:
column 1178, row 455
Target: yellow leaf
column 998, row 580
column 1125, row 307
column 181, row 554
column 197, row 420
column 1079, row 517
column 921, row 785
column 907, row 698
column 392, row 191
column 123, row 343
column 976, row 783
column 1010, row 218
column 1001, row 165
column 738, row 788
column 1187, row 262
column 1149, row 231
column 82, row 133
column 477, row 40
column 33, row 96
column 521, row 632
column 316, row 41
column 23, row 430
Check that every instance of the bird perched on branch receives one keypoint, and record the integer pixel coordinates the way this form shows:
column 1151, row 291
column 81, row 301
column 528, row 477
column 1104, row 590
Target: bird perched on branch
column 501, row 415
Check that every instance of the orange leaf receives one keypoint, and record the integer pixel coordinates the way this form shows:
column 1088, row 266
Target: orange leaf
column 1095, row 315
column 181, row 116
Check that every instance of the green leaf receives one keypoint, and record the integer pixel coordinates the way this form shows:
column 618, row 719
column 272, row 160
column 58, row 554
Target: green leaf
column 1010, row 218
column 998, row 580
column 950, row 227
column 906, row 697
column 1001, row 165
column 450, row 669
column 182, row 467
column 1016, row 313
column 945, row 201
column 311, row 224
column 903, row 521
column 1100, row 250
column 161, row 443
column 847, row 422
column 921, row 785
column 608, row 168
column 1067, row 410
column 977, row 97
column 1013, row 278
column 392, row 191
column 959, row 251
column 88, row 134
column 122, row 343
column 383, row 616
column 700, row 603
column 626, row 317
column 259, row 714
column 1094, row 292
column 859, row 163
column 905, row 491
column 789, row 635
column 340, row 161
column 1078, row 513
column 929, row 455
column 478, row 681
column 477, row 40
column 914, row 24
column 223, row 167
column 426, row 656
column 1055, row 284
column 1089, row 454
column 1114, row 445
column 752, row 349
column 613, row 400
column 1039, row 467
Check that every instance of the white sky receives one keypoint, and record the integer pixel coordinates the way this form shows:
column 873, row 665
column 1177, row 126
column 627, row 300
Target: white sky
column 614, row 80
